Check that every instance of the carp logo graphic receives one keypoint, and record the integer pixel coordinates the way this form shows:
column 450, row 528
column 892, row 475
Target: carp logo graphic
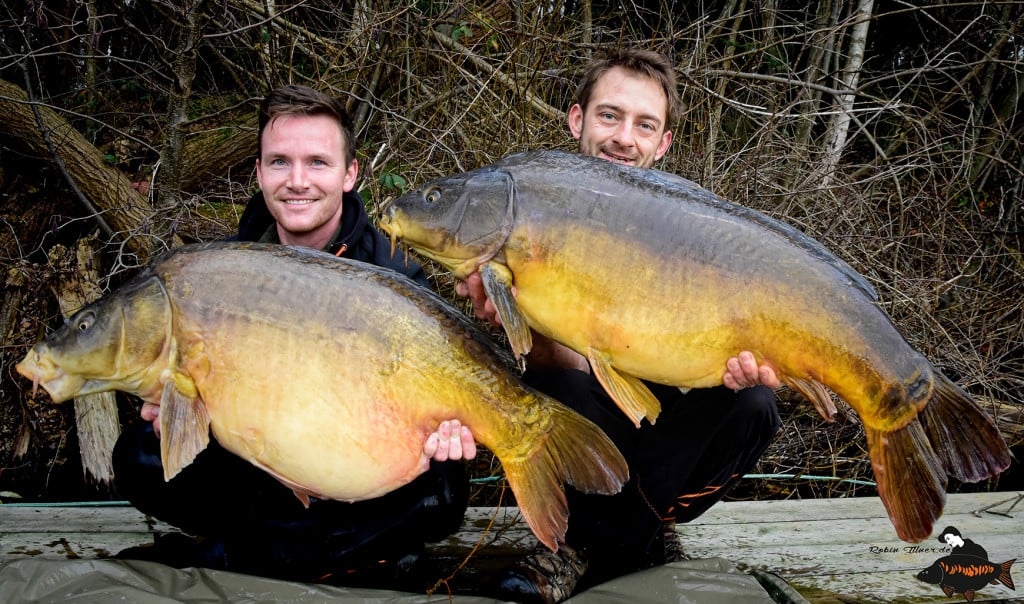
column 967, row 569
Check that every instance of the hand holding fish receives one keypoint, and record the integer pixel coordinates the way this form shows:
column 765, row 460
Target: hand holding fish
column 151, row 413
column 483, row 308
column 742, row 371
column 451, row 441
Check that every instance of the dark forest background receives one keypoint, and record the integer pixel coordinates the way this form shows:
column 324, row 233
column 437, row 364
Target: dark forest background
column 888, row 130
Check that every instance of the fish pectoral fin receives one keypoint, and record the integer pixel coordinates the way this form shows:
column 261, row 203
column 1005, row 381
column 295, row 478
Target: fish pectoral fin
column 948, row 590
column 184, row 429
column 497, row 279
column 628, row 392
column 815, row 392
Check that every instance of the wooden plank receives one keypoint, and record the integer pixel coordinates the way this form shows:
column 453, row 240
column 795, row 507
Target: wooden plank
column 840, row 507
column 874, row 532
column 56, row 519
column 831, row 550
column 68, row 545
column 842, row 550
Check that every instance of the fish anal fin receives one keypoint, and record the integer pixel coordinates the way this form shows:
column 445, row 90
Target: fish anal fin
column 815, row 392
column 628, row 392
column 910, row 479
column 497, row 280
column 184, row 427
column 574, row 452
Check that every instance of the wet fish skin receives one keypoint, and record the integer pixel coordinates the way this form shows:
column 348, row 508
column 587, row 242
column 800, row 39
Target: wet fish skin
column 652, row 277
column 327, row 373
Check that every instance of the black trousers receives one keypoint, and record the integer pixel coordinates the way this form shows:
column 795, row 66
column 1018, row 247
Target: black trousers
column 265, row 530
column 680, row 466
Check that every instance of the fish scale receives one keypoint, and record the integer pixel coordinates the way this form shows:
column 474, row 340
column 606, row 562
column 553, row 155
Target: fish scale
column 651, row 277
column 327, row 373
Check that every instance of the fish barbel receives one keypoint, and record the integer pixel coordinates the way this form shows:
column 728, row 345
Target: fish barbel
column 327, row 373
column 651, row 277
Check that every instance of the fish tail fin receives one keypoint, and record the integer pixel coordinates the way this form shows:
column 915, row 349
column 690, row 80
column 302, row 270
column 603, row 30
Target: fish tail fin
column 1004, row 574
column 575, row 452
column 965, row 438
column 903, row 461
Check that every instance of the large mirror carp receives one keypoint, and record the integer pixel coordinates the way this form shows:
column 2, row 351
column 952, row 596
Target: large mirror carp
column 327, row 373
column 649, row 276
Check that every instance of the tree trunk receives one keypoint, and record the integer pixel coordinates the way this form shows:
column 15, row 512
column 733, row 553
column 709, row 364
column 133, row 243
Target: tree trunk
column 168, row 180
column 715, row 119
column 95, row 414
column 840, row 126
column 214, row 153
column 821, row 43
column 107, row 188
column 988, row 145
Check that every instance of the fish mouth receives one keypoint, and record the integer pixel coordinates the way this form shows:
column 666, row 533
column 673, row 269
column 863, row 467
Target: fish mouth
column 54, row 380
column 425, row 243
column 394, row 233
column 459, row 267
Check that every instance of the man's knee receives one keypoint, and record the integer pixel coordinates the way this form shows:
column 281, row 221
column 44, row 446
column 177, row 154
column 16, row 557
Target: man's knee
column 757, row 408
column 136, row 459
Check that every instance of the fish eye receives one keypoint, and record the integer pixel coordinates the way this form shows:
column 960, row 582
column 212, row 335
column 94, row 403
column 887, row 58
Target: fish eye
column 84, row 323
column 433, row 196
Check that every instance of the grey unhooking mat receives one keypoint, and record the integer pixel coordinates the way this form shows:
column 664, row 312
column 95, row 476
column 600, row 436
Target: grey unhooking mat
column 710, row 581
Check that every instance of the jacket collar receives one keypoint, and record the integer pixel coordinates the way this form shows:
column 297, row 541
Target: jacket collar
column 256, row 220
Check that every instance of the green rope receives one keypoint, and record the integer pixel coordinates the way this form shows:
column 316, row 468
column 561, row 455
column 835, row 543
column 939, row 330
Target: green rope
column 866, row 483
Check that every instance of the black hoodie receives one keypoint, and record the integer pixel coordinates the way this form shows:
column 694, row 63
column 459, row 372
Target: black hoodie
column 357, row 238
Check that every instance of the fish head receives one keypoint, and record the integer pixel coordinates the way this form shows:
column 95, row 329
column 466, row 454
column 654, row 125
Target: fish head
column 460, row 221
column 108, row 345
column 933, row 574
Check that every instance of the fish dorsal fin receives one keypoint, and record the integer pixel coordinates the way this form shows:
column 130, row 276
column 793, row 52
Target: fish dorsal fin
column 629, row 392
column 815, row 392
column 184, row 427
column 497, row 279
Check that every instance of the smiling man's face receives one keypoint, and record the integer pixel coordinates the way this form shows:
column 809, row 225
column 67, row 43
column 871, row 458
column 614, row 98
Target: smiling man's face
column 303, row 176
column 624, row 121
